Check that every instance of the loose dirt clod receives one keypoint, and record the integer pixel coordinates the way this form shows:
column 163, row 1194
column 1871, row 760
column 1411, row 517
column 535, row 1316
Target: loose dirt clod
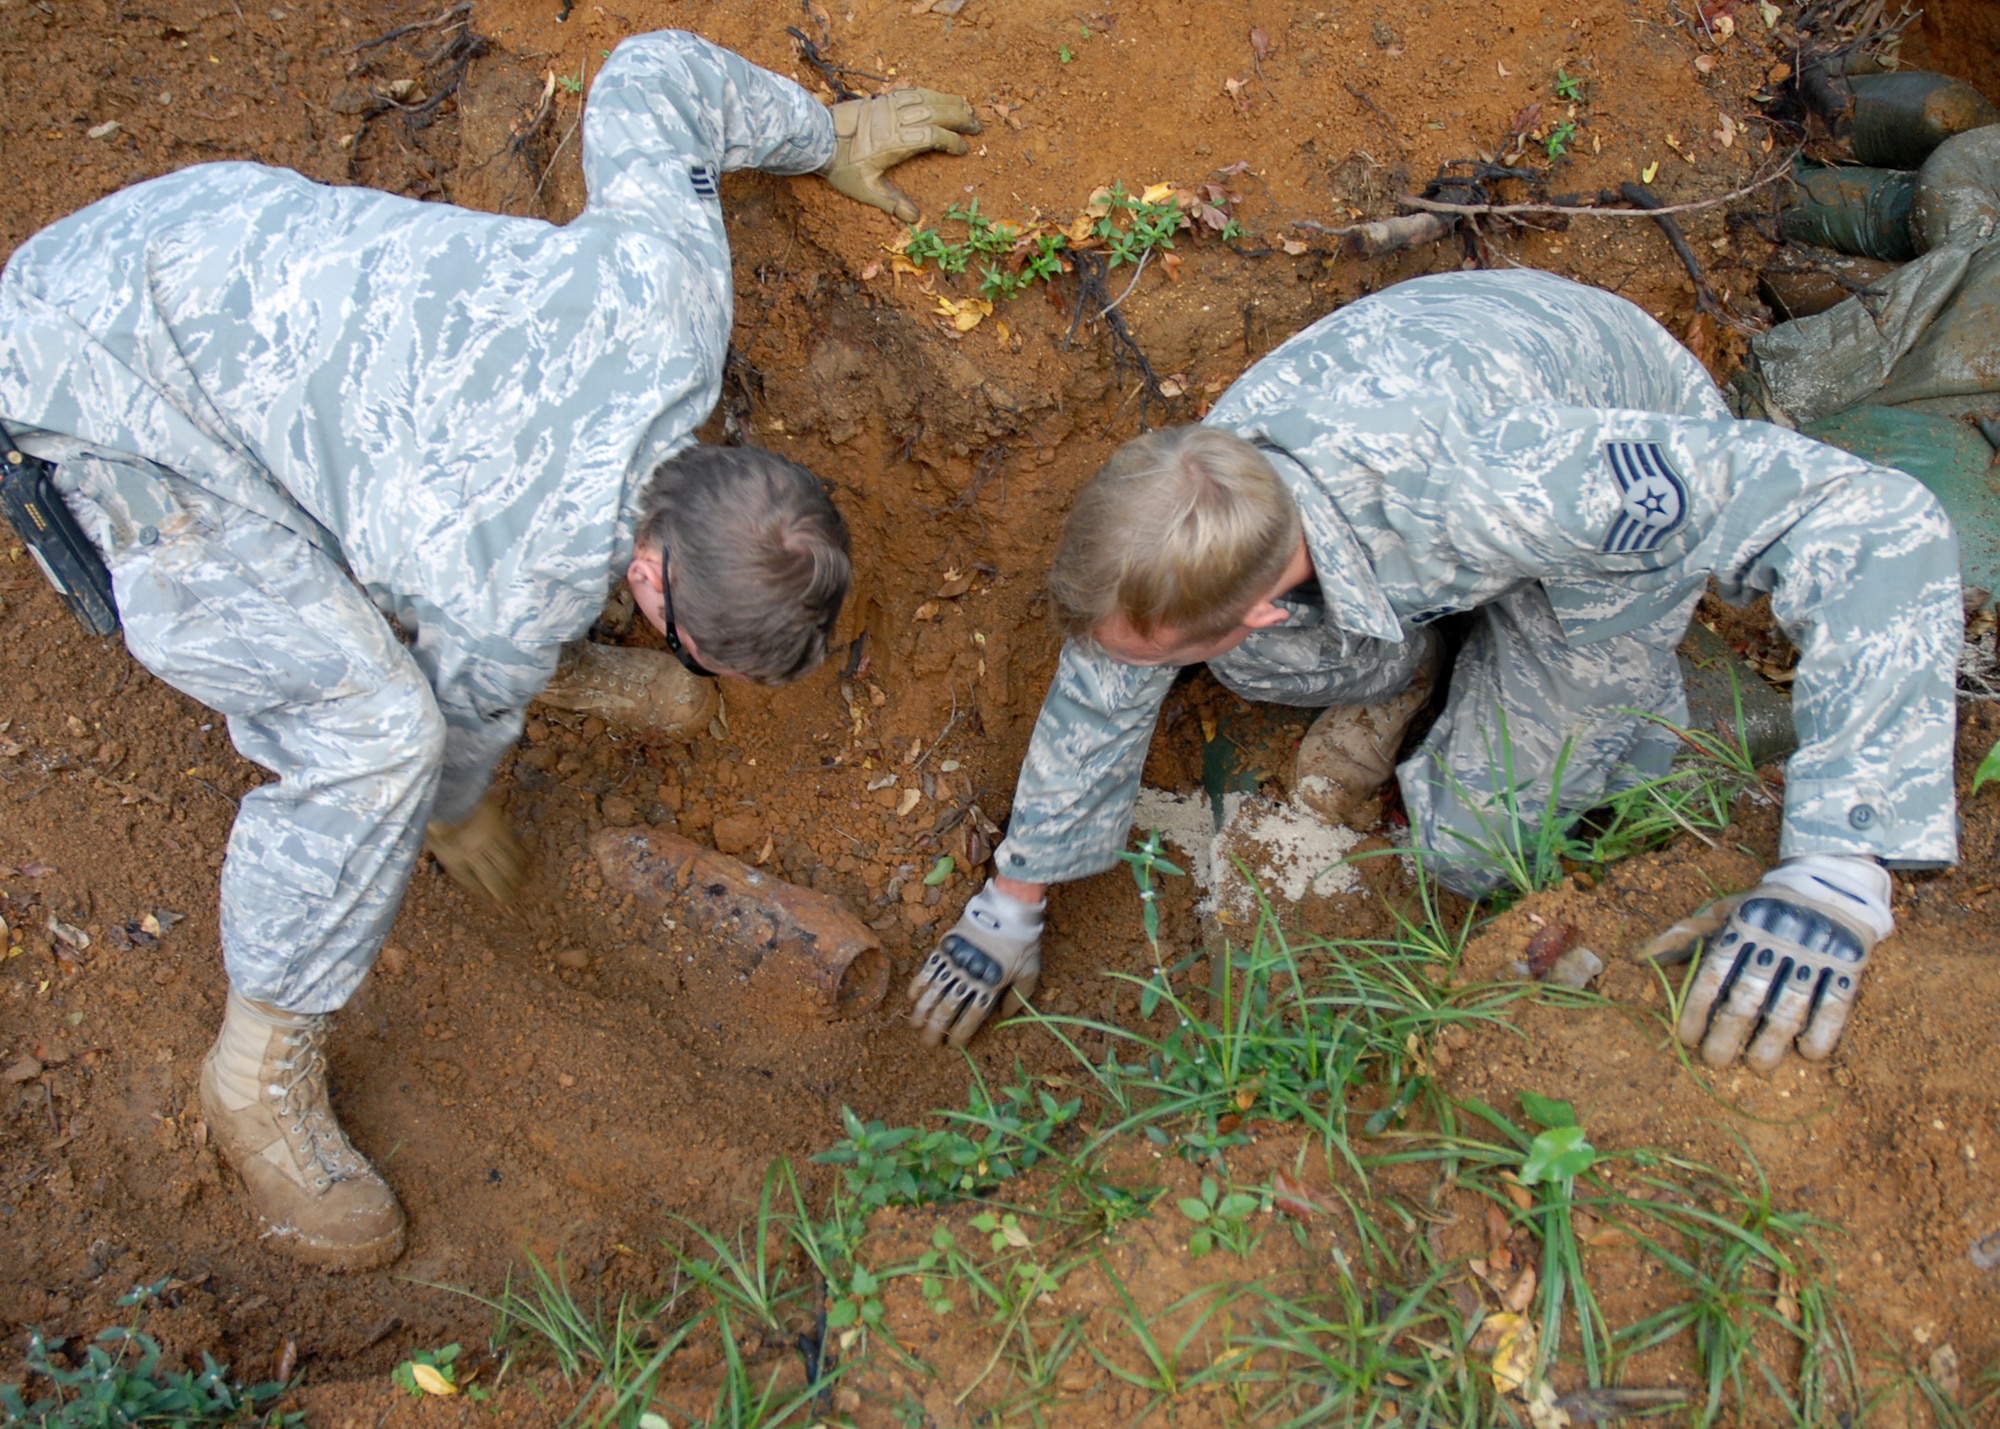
column 803, row 936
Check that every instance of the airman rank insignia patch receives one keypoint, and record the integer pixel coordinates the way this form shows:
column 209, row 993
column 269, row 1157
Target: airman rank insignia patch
column 1656, row 501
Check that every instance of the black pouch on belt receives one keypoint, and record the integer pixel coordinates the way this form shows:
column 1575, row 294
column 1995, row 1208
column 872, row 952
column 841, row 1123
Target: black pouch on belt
column 36, row 511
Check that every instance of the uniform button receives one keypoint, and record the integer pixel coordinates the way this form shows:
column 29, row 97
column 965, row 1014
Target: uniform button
column 148, row 535
column 1861, row 816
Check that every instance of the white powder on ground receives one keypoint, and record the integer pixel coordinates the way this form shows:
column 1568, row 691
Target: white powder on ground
column 1288, row 849
column 1185, row 821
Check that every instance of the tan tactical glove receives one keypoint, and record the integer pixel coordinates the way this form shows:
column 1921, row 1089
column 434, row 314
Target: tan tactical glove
column 481, row 854
column 995, row 948
column 1783, row 960
column 872, row 136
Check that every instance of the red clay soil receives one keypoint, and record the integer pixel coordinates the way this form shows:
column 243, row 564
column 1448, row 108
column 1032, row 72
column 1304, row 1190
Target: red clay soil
column 570, row 1076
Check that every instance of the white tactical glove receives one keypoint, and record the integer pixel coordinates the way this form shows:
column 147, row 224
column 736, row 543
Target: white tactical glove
column 1791, row 953
column 995, row 946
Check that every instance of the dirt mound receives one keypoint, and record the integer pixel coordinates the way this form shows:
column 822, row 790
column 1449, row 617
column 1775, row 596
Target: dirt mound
column 570, row 1076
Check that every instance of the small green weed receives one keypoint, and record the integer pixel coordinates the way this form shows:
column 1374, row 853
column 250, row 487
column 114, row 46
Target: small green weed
column 1012, row 257
column 1569, row 87
column 120, row 1382
column 571, row 83
column 993, row 1140
column 1561, row 136
column 1063, row 54
column 1536, row 848
column 1221, row 1220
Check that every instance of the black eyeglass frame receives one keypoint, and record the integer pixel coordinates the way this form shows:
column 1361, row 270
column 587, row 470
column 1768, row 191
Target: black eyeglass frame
column 674, row 646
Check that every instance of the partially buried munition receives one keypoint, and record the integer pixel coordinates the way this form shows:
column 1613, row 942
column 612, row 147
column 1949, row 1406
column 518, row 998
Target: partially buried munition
column 775, row 929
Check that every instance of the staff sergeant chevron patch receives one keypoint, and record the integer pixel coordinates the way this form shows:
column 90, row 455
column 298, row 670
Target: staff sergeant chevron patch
column 1655, row 498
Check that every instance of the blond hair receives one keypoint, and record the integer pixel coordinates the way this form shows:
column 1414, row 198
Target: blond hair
column 1183, row 530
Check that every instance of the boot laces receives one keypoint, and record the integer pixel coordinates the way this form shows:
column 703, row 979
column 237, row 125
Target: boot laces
column 303, row 1113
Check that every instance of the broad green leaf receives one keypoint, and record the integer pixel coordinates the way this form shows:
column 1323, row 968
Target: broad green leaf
column 1191, row 1208
column 1235, row 1206
column 1546, row 1111
column 1558, row 1154
column 1989, row 768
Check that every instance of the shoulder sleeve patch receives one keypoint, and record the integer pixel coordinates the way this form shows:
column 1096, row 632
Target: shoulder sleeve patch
column 1655, row 498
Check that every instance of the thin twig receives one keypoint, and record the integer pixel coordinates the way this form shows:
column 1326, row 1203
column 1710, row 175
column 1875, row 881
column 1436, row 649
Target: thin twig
column 1131, row 285
column 957, row 714
column 561, row 144
column 456, row 12
column 1508, row 210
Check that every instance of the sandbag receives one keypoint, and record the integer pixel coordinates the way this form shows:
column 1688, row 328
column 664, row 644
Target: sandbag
column 1864, row 212
column 1901, row 116
column 1950, row 457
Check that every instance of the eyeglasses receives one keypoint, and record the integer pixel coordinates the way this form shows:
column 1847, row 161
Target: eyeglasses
column 688, row 662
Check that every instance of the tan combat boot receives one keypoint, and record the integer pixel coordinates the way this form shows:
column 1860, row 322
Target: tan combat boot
column 263, row 1090
column 1349, row 754
column 645, row 690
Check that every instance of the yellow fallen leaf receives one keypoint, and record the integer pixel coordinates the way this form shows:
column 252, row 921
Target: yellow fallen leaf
column 927, row 611
column 1768, row 13
column 1003, row 332
column 909, row 801
column 430, row 1381
column 1293, row 248
column 900, row 264
column 965, row 314
column 1511, row 1339
column 1156, row 193
column 1646, row 174
column 1081, row 227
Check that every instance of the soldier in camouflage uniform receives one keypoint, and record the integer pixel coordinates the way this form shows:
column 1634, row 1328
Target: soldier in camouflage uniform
column 286, row 413
column 1546, row 459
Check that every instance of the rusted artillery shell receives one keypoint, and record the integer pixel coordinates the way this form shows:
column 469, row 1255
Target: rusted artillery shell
column 1801, row 292
column 773, row 927
column 645, row 690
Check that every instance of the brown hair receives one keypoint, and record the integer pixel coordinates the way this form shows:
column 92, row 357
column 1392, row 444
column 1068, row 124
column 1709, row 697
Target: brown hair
column 758, row 554
column 1183, row 529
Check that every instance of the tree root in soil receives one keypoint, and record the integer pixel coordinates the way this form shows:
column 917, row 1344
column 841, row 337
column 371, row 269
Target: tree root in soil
column 1642, row 196
column 814, row 54
column 1094, row 302
column 461, row 46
